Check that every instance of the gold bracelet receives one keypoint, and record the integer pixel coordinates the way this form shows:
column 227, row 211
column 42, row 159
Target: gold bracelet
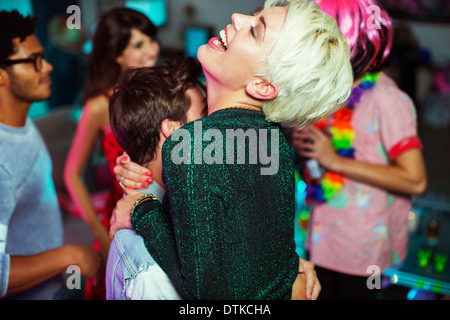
column 141, row 199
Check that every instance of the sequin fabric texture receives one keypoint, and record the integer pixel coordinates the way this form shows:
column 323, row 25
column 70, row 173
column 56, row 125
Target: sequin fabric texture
column 225, row 231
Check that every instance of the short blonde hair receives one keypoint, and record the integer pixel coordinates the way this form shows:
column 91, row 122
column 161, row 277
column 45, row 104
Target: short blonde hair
column 309, row 64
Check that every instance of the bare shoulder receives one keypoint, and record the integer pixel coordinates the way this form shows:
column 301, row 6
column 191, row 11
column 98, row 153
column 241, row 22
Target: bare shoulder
column 97, row 105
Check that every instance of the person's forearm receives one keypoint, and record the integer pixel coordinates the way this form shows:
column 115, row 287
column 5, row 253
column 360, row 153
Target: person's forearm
column 82, row 202
column 392, row 177
column 28, row 271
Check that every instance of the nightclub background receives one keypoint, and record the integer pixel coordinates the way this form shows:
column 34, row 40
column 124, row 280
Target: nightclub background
column 419, row 63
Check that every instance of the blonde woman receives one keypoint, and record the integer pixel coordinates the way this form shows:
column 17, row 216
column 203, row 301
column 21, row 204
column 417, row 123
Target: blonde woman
column 225, row 228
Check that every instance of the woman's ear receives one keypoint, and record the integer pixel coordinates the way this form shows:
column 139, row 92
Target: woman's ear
column 261, row 89
column 168, row 126
column 119, row 60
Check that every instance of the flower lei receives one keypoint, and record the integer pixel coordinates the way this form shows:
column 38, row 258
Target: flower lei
column 342, row 136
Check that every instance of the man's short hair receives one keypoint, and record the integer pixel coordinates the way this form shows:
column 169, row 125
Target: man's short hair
column 144, row 98
column 13, row 25
column 309, row 64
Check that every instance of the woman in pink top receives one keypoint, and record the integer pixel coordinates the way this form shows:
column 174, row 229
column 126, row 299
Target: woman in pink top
column 372, row 161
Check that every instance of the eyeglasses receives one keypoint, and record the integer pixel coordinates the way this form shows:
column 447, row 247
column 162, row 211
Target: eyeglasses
column 36, row 59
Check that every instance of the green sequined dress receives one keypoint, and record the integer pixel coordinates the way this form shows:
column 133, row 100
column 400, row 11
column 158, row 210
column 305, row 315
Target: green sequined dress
column 225, row 230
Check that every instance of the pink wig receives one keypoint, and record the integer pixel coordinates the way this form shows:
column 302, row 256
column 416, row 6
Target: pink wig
column 367, row 28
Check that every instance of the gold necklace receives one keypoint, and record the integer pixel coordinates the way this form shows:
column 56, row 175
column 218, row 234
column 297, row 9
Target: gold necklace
column 242, row 107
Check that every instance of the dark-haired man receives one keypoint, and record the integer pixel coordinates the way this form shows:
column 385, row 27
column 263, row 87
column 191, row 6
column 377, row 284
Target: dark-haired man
column 148, row 105
column 32, row 257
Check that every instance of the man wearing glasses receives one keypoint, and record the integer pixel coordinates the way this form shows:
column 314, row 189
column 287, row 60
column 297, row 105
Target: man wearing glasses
column 32, row 257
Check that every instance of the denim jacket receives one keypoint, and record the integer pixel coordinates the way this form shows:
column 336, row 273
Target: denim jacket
column 131, row 272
